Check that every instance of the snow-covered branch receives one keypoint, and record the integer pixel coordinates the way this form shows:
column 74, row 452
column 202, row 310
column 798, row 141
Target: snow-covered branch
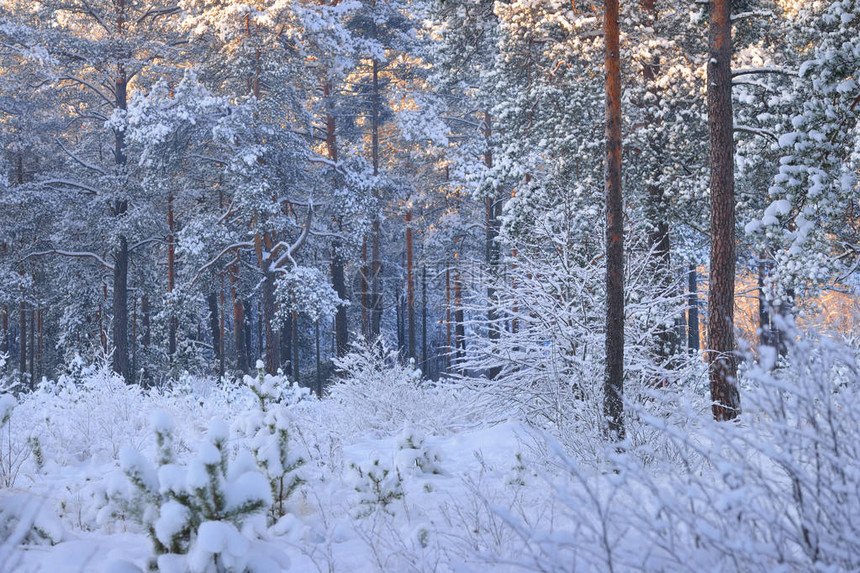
column 69, row 183
column 224, row 251
column 764, row 70
column 90, row 86
column 78, row 160
column 145, row 242
column 754, row 84
column 76, row 254
column 751, row 14
column 156, row 12
column 756, row 131
column 291, row 249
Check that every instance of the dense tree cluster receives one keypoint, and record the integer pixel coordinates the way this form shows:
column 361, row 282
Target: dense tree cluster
column 199, row 184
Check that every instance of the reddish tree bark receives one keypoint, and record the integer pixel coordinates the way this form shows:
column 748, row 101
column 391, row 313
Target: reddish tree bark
column 721, row 290
column 613, row 385
column 238, row 322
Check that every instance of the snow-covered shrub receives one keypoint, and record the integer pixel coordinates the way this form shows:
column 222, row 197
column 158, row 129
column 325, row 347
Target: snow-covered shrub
column 87, row 414
column 203, row 516
column 378, row 485
column 550, row 362
column 415, row 456
column 777, row 491
column 27, row 519
column 13, row 450
column 376, row 392
column 267, row 428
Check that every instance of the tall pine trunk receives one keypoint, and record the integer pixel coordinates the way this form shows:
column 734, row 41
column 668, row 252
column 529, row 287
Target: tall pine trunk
column 613, row 385
column 338, row 279
column 459, row 320
column 273, row 344
column 693, row 341
column 493, row 222
column 173, row 322
column 271, row 347
column 22, row 343
column 212, row 301
column 238, row 322
column 410, row 288
column 376, row 263
column 120, row 206
column 295, row 321
column 120, row 309
column 424, row 362
column 721, row 289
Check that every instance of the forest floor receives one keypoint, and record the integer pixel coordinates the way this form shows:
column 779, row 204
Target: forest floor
column 402, row 475
column 337, row 519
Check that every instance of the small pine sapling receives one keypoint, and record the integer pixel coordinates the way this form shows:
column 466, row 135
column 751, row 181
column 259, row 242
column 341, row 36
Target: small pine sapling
column 7, row 404
column 378, row 487
column 415, row 456
column 194, row 514
column 269, row 430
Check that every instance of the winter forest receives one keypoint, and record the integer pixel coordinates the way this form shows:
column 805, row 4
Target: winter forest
column 429, row 286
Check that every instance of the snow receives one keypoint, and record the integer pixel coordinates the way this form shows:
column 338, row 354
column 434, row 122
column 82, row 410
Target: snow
column 248, row 487
column 173, row 518
column 161, row 422
column 219, row 537
column 459, row 488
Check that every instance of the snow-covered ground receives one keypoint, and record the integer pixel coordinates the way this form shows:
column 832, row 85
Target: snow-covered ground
column 394, row 474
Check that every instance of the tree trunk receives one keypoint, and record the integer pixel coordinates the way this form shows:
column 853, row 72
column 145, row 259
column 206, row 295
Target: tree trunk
column 410, row 288
column 515, row 308
column 239, row 324
column 212, row 300
column 146, row 312
column 341, row 324
column 22, row 346
column 286, row 340
column 693, row 343
column 661, row 266
column 120, row 309
column 295, row 345
column 120, row 206
column 459, row 320
column 253, row 356
column 401, row 335
column 341, row 332
column 448, row 340
column 319, row 362
column 6, row 341
column 39, row 356
column 287, row 344
column 173, row 322
column 721, row 289
column 5, row 329
column 365, row 293
column 273, row 345
column 221, row 331
column 424, row 320
column 493, row 222
column 376, row 263
column 657, row 207
column 134, row 334
column 32, row 347
column 613, row 386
